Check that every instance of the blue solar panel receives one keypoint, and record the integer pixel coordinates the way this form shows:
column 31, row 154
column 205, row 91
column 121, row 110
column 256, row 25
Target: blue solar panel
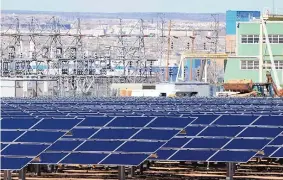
column 125, row 159
column 99, row 146
column 261, row 132
column 221, row 131
column 164, row 154
column 278, row 153
column 83, row 158
column 95, row 121
column 58, row 124
column 81, row 133
column 247, row 144
column 192, row 130
column 206, row 143
column 50, row 158
column 115, row 134
column 235, row 120
column 156, row 134
column 64, row 145
column 169, row 122
column 192, row 155
column 232, row 156
column 270, row 121
column 206, row 119
column 8, row 163
column 277, row 141
column 23, row 149
column 18, row 123
column 130, row 122
column 267, row 151
column 176, row 142
column 9, row 136
column 40, row 136
column 134, row 146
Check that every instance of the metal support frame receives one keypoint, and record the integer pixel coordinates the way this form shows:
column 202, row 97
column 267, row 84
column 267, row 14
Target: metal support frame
column 131, row 171
column 22, row 174
column 7, row 175
column 37, row 170
column 230, row 171
column 121, row 173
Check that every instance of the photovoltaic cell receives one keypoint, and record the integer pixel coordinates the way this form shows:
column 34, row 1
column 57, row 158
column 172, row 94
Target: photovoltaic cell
column 267, row 151
column 40, row 136
column 221, row 131
column 64, row 145
column 125, row 159
column 233, row 156
column 9, row 136
column 165, row 122
column 115, row 134
column 23, row 149
column 192, row 130
column 207, row 119
column 278, row 153
column 176, row 142
column 206, row 143
column 134, row 146
column 277, row 141
column 164, row 154
column 95, row 121
column 81, row 133
column 130, row 122
column 235, row 120
column 18, row 123
column 247, row 144
column 192, row 155
column 156, row 134
column 99, row 146
column 270, row 121
column 58, row 124
column 13, row 163
column 50, row 158
column 261, row 132
column 83, row 158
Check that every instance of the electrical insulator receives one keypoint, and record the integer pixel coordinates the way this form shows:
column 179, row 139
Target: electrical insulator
column 198, row 72
column 204, row 46
column 170, row 72
column 172, row 45
column 188, row 46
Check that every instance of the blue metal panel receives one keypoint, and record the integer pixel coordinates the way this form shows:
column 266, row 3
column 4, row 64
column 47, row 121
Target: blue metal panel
column 277, row 141
column 261, row 132
column 9, row 136
column 192, row 131
column 134, row 146
column 256, row 144
column 192, row 155
column 125, row 159
column 115, row 134
column 270, row 121
column 130, row 122
column 58, row 124
column 206, row 119
column 64, row 145
column 81, row 133
column 233, row 156
column 168, row 122
column 95, row 121
column 176, row 142
column 99, row 146
column 267, row 151
column 156, row 134
column 221, row 131
column 23, row 149
column 18, row 123
column 14, row 163
column 83, row 158
column 207, row 143
column 39, row 136
column 235, row 120
column 51, row 158
column 278, row 153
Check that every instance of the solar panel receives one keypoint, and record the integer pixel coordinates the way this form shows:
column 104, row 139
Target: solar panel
column 125, row 159
column 192, row 155
column 207, row 143
column 232, row 156
column 13, row 163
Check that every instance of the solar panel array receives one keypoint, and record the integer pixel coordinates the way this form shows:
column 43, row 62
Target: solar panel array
column 126, row 131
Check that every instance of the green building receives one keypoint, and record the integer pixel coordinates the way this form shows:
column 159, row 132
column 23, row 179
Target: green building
column 245, row 64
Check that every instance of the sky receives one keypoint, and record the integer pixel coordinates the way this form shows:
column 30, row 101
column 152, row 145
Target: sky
column 189, row 6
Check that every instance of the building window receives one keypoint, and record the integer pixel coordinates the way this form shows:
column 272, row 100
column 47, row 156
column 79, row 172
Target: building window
column 250, row 65
column 254, row 39
column 244, row 64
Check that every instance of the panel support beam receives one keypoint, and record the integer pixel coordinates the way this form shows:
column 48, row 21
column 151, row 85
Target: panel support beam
column 7, row 175
column 230, row 171
column 37, row 170
column 132, row 171
column 22, row 174
column 121, row 173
